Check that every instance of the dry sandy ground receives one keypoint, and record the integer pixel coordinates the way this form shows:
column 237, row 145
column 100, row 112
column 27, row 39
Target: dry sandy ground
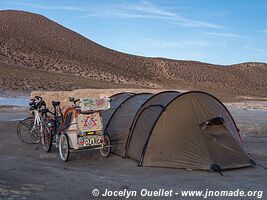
column 27, row 173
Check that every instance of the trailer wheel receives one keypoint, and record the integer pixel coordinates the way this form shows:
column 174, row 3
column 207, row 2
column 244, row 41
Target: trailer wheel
column 106, row 148
column 64, row 147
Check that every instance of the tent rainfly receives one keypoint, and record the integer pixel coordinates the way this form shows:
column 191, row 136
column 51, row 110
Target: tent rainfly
column 116, row 101
column 121, row 119
column 191, row 130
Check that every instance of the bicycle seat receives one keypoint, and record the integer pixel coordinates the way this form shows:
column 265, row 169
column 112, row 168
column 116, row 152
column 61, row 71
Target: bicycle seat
column 55, row 103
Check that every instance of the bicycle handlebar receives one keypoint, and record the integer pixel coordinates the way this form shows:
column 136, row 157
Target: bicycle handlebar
column 38, row 98
column 37, row 102
column 72, row 99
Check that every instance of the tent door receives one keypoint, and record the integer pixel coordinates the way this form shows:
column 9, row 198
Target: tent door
column 224, row 150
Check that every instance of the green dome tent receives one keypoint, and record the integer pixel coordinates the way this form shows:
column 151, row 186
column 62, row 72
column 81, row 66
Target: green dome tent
column 191, row 130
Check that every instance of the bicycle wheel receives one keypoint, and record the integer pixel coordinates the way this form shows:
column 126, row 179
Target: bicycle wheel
column 46, row 138
column 26, row 131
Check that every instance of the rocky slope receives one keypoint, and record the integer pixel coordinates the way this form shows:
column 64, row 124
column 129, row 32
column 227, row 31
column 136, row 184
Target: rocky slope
column 34, row 42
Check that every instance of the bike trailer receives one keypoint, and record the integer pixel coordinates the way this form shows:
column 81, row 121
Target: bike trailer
column 84, row 126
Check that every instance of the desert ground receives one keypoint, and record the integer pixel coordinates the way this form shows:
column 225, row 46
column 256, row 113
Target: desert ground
column 26, row 172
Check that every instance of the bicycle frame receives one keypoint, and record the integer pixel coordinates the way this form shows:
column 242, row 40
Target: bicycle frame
column 38, row 119
column 55, row 128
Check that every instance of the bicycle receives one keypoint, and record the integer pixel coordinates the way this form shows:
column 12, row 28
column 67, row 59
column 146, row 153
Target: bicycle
column 51, row 125
column 29, row 129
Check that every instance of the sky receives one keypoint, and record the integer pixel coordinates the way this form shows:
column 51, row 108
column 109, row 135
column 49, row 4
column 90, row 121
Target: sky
column 218, row 32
